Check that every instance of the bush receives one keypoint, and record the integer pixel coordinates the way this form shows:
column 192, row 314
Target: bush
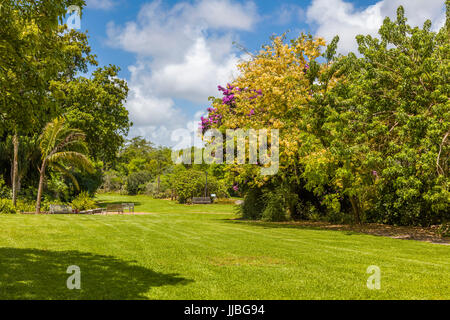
column 136, row 182
column 305, row 210
column 57, row 187
column 112, row 182
column 5, row 192
column 83, row 202
column 47, row 201
column 6, row 207
column 188, row 184
column 253, row 205
column 391, row 207
column 89, row 181
column 165, row 190
column 275, row 209
column 191, row 183
column 25, row 206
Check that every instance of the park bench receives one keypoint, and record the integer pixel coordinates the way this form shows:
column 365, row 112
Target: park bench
column 60, row 209
column 201, row 200
column 92, row 211
column 128, row 206
column 114, row 208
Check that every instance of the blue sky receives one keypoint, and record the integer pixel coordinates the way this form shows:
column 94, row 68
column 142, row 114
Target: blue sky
column 174, row 53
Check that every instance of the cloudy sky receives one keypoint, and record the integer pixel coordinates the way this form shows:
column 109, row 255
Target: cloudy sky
column 174, row 53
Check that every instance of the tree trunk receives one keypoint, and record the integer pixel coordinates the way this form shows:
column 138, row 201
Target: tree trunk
column 15, row 169
column 356, row 209
column 41, row 187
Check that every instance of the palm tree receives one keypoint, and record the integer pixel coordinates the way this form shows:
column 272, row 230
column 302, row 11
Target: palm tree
column 60, row 146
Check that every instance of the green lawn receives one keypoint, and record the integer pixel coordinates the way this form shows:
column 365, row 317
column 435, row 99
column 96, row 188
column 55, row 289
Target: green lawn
column 180, row 253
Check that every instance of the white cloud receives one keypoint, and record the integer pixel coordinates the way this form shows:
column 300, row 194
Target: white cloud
column 337, row 17
column 183, row 52
column 101, row 4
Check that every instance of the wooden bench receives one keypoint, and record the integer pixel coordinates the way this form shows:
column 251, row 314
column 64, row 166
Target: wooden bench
column 128, row 206
column 60, row 209
column 201, row 200
column 92, row 211
column 114, row 208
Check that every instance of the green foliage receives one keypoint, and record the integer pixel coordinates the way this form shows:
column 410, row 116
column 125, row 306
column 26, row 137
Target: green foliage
column 372, row 138
column 83, row 202
column 89, row 181
column 136, row 182
column 188, row 184
column 113, row 181
column 25, row 206
column 191, row 183
column 96, row 106
column 57, row 186
column 62, row 148
column 5, row 192
column 7, row 207
column 36, row 53
column 161, row 191
column 275, row 209
column 254, row 203
column 388, row 126
column 40, row 66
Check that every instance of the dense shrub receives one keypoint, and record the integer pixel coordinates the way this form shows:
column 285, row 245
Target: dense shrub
column 276, row 207
column 112, row 181
column 83, row 202
column 5, row 192
column 25, row 206
column 6, row 207
column 191, row 183
column 89, row 181
column 137, row 181
column 57, row 187
column 163, row 192
column 393, row 207
column 254, row 203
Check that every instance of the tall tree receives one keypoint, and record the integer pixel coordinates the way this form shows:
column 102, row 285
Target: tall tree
column 96, row 106
column 34, row 51
column 387, row 126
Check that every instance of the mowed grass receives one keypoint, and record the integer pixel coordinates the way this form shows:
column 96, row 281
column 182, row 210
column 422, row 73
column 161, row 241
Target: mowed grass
column 180, row 253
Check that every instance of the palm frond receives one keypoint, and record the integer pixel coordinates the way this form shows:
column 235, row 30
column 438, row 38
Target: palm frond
column 67, row 173
column 77, row 159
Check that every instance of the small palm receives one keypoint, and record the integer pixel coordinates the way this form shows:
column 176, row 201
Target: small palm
column 61, row 146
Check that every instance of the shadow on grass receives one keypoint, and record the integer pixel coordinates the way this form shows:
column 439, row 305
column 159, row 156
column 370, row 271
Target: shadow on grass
column 104, row 204
column 287, row 225
column 41, row 274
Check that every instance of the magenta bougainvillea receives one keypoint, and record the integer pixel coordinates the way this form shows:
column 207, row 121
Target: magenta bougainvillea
column 229, row 98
